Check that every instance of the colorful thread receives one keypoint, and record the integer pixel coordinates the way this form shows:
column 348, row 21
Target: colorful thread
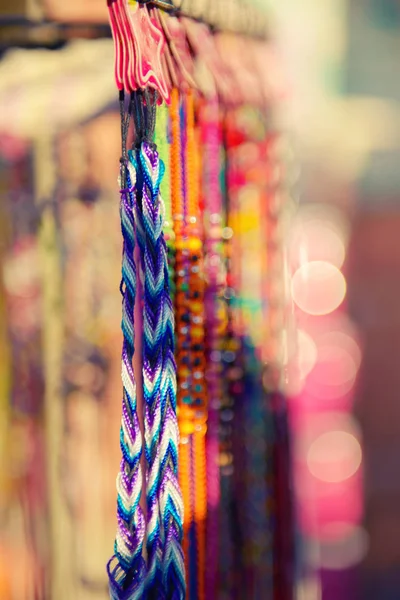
column 127, row 568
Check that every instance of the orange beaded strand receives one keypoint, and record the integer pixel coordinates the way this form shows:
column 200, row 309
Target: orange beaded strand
column 185, row 417
column 197, row 336
column 190, row 345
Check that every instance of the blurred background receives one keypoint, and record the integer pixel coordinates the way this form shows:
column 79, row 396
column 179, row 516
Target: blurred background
column 59, row 140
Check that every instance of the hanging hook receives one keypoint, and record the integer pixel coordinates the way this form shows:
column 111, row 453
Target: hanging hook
column 162, row 4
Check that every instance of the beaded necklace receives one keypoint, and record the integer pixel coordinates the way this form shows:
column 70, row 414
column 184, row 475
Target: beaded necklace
column 251, row 418
column 210, row 129
column 184, row 412
column 196, row 291
column 229, row 566
column 258, row 416
column 192, row 397
column 232, row 476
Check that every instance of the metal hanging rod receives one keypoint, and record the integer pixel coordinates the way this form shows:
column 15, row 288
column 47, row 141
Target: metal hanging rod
column 162, row 4
column 25, row 33
column 238, row 16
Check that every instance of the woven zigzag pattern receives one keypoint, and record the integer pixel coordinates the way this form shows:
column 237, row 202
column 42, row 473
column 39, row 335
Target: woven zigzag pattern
column 164, row 527
column 151, row 277
column 127, row 568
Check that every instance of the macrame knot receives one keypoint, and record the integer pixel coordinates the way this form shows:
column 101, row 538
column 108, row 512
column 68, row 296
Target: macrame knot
column 152, row 146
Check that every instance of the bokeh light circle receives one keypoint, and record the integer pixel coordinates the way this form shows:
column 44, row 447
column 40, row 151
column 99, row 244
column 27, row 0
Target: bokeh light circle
column 342, row 545
column 307, row 353
column 318, row 288
column 334, row 456
column 343, row 341
column 335, row 366
column 317, row 239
